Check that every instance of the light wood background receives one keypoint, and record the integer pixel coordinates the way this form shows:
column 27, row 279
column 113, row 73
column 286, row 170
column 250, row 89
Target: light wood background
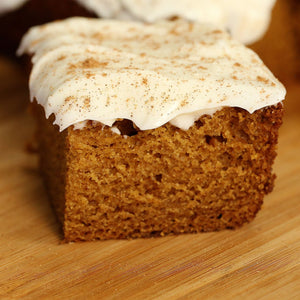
column 259, row 261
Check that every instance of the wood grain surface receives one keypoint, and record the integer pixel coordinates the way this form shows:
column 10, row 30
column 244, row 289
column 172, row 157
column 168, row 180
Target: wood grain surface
column 259, row 261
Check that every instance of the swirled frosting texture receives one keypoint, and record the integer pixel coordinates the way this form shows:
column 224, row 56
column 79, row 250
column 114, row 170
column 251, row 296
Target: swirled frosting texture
column 247, row 20
column 104, row 70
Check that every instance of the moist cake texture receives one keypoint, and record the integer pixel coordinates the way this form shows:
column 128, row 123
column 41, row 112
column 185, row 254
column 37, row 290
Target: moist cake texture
column 151, row 129
column 156, row 182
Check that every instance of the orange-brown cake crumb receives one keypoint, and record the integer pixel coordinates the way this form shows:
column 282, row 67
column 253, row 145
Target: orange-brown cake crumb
column 155, row 182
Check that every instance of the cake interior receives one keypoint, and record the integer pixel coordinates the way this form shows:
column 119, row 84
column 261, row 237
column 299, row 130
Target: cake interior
column 105, row 185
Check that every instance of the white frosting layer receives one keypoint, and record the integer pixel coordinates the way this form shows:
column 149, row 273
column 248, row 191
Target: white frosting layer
column 246, row 20
column 103, row 70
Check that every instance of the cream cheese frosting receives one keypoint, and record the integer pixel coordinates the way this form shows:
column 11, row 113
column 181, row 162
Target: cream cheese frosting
column 247, row 21
column 104, row 70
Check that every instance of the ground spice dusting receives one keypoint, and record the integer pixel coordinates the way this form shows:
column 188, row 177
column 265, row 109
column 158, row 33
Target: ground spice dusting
column 87, row 102
column 183, row 102
column 263, row 79
column 88, row 75
column 97, row 36
column 70, row 98
column 174, row 31
column 262, row 91
column 90, row 63
column 216, row 32
column 191, row 26
column 71, row 66
column 145, row 81
column 61, row 58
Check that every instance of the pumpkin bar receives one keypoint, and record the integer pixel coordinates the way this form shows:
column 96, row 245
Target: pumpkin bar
column 148, row 130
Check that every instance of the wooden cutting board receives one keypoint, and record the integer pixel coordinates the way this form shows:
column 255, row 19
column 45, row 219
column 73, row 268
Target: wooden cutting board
column 259, row 261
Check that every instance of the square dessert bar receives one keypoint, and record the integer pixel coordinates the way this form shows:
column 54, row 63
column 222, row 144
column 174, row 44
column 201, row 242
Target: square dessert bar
column 151, row 129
